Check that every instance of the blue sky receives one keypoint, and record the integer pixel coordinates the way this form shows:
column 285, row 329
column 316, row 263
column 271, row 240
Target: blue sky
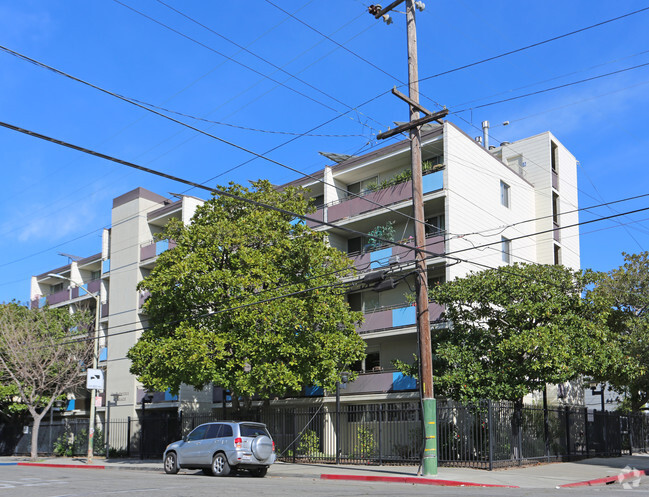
column 57, row 200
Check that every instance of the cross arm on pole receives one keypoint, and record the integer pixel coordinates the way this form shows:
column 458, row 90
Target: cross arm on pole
column 413, row 124
column 378, row 13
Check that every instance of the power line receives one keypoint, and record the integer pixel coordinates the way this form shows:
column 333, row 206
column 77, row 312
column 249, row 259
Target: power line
column 332, row 40
column 565, row 35
column 256, row 55
column 222, row 140
column 545, row 90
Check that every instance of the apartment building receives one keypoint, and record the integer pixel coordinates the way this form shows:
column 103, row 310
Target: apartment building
column 484, row 207
column 110, row 277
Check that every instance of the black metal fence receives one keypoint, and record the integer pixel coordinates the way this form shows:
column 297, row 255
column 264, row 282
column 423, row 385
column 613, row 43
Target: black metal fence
column 488, row 435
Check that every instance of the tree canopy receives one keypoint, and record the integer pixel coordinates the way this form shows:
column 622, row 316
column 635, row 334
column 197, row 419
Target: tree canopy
column 43, row 353
column 514, row 329
column 626, row 291
column 249, row 299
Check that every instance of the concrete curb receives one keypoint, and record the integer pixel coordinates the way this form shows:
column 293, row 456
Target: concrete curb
column 55, row 465
column 412, row 480
column 636, row 473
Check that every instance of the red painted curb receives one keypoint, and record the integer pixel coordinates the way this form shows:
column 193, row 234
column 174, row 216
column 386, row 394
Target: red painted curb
column 48, row 465
column 606, row 480
column 412, row 480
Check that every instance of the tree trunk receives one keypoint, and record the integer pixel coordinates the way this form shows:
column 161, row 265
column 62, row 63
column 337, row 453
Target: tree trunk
column 37, row 424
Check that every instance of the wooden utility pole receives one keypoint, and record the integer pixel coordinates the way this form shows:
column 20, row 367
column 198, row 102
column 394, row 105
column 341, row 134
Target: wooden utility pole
column 429, row 463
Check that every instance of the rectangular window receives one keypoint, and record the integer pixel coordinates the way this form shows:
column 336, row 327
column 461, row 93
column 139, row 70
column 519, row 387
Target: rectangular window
column 362, row 187
column 435, row 225
column 557, row 255
column 504, row 194
column 506, row 249
column 318, row 201
column 95, row 275
column 354, row 245
column 554, row 156
column 555, row 208
column 56, row 288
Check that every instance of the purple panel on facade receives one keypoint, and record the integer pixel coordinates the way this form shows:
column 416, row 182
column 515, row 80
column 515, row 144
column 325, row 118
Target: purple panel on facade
column 104, row 310
column 377, row 320
column 404, row 253
column 435, row 311
column 361, row 261
column 147, row 252
column 338, row 211
column 435, row 244
column 143, row 296
column 58, row 297
column 369, row 382
column 319, row 215
column 74, row 292
column 34, row 303
column 94, row 286
column 556, row 234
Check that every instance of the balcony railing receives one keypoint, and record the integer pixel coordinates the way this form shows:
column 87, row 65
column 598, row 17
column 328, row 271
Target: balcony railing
column 154, row 249
column 353, row 206
column 397, row 317
column 391, row 255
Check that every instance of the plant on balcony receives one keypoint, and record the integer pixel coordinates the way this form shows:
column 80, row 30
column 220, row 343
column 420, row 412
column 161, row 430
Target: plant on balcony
column 405, row 175
column 385, row 232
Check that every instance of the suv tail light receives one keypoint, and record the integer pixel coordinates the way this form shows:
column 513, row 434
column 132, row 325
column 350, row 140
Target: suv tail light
column 273, row 445
column 237, row 442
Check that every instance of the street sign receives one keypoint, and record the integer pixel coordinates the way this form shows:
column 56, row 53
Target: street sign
column 95, row 379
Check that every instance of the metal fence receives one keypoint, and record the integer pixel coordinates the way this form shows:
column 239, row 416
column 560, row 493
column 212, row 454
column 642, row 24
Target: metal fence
column 487, row 435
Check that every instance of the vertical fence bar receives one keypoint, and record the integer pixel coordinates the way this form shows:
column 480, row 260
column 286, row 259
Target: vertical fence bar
column 490, row 433
column 128, row 436
column 568, row 432
column 380, row 444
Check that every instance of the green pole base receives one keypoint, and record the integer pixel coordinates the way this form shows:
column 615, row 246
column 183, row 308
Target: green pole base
column 429, row 464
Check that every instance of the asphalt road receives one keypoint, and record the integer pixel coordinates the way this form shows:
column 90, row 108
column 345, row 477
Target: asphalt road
column 22, row 481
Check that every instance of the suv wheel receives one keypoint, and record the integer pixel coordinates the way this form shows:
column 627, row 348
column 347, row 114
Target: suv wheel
column 171, row 468
column 220, row 466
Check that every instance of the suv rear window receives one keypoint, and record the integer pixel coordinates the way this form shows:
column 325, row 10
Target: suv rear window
column 253, row 431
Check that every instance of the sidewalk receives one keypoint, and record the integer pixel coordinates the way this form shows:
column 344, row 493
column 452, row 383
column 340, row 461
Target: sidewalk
column 596, row 471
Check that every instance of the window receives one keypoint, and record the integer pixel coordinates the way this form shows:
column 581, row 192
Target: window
column 361, row 187
column 355, row 245
column 373, row 361
column 318, row 201
column 95, row 275
column 506, row 249
column 554, row 157
column 435, row 225
column 504, row 194
column 197, row 434
column 213, row 431
column 56, row 288
column 557, row 255
column 555, row 208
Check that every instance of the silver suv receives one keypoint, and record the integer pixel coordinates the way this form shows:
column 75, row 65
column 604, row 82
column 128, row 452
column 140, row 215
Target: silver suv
column 223, row 447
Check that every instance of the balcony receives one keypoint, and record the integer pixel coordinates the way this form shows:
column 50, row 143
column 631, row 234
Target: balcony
column 383, row 382
column 383, row 257
column 86, row 289
column 354, row 206
column 397, row 317
column 154, row 249
column 143, row 295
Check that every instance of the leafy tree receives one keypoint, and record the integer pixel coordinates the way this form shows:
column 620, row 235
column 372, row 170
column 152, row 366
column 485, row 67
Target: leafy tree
column 42, row 355
column 514, row 329
column 626, row 290
column 249, row 299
